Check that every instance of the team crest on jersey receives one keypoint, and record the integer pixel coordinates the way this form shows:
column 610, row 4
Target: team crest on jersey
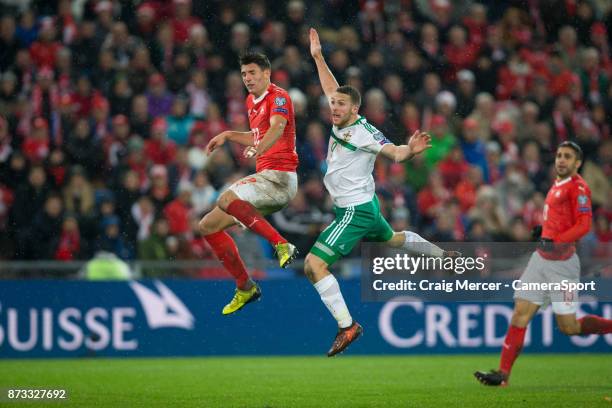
column 557, row 194
column 280, row 101
column 346, row 136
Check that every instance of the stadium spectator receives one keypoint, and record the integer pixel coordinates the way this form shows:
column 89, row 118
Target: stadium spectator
column 177, row 212
column 42, row 239
column 159, row 149
column 453, row 168
column 153, row 248
column 442, row 142
column 158, row 98
column 69, row 242
column 111, row 239
column 474, row 149
column 78, row 193
column 179, row 122
column 142, row 216
column 489, row 211
column 203, row 195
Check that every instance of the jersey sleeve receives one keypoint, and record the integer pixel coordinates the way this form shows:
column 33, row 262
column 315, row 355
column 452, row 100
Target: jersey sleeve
column 580, row 201
column 370, row 139
column 280, row 104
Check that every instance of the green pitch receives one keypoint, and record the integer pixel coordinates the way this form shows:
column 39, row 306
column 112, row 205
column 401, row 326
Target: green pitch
column 577, row 380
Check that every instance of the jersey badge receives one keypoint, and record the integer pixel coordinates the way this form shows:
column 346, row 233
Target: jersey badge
column 280, row 101
column 346, row 136
column 380, row 138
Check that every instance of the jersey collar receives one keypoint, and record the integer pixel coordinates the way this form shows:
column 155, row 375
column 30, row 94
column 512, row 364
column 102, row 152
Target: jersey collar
column 562, row 182
column 262, row 96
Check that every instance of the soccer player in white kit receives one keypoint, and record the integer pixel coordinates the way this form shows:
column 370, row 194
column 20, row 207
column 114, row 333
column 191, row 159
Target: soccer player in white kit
column 353, row 147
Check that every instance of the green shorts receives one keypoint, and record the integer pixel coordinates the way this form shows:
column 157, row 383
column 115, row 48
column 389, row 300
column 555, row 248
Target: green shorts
column 350, row 226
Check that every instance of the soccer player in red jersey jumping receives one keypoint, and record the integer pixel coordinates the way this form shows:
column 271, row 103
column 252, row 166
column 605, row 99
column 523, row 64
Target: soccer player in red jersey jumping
column 272, row 141
column 567, row 218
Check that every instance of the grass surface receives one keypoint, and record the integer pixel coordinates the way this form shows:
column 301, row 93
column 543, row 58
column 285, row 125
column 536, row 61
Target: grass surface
column 576, row 380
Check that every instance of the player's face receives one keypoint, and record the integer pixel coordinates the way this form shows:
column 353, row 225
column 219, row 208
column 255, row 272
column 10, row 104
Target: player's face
column 255, row 79
column 566, row 162
column 342, row 109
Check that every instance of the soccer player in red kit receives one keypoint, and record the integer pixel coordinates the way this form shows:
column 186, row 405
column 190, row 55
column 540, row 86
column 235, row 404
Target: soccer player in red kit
column 272, row 141
column 567, row 218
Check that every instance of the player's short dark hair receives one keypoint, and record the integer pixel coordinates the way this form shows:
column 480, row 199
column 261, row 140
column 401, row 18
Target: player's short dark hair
column 352, row 92
column 574, row 146
column 255, row 58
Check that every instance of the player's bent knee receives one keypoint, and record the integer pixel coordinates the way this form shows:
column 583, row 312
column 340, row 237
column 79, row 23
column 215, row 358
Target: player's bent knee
column 226, row 199
column 569, row 330
column 314, row 268
column 308, row 268
column 521, row 317
column 207, row 226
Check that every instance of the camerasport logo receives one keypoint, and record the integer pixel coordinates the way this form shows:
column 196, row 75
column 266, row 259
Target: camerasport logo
column 94, row 328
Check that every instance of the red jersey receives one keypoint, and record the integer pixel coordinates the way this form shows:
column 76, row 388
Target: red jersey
column 567, row 215
column 275, row 101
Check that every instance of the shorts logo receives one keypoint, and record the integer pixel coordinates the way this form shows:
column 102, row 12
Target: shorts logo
column 280, row 101
column 247, row 181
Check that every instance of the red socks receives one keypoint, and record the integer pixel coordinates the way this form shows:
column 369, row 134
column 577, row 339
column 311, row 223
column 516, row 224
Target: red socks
column 511, row 348
column 591, row 324
column 225, row 248
column 247, row 214
column 513, row 343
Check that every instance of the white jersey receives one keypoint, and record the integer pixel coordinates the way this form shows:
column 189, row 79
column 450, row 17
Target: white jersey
column 350, row 162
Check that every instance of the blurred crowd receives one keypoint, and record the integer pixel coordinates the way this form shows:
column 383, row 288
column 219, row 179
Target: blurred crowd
column 106, row 107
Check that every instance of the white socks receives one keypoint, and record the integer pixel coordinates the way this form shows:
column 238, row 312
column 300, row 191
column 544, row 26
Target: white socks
column 416, row 244
column 329, row 290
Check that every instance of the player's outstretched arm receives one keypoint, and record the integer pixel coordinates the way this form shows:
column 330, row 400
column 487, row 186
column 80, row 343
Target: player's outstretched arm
column 243, row 138
column 328, row 82
column 417, row 144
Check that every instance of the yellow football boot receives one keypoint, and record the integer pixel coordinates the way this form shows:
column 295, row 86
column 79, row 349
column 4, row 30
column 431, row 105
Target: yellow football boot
column 241, row 298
